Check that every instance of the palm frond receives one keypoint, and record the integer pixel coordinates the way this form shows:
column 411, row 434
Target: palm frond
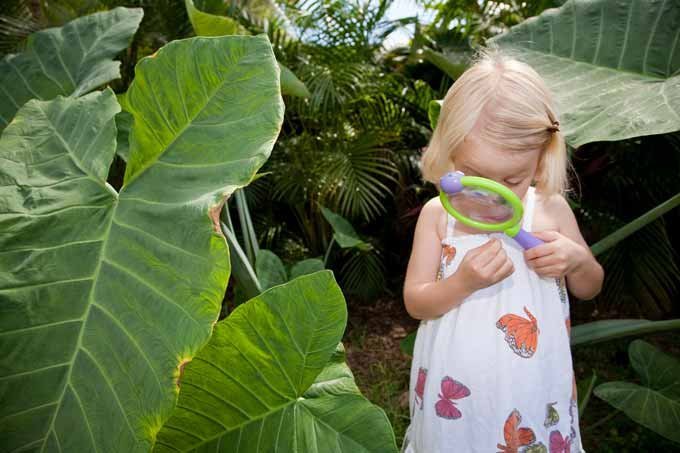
column 360, row 25
column 642, row 274
column 359, row 172
column 17, row 21
column 333, row 86
column 363, row 273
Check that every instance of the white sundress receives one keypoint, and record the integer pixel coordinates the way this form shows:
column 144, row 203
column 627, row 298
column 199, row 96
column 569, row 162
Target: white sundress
column 495, row 374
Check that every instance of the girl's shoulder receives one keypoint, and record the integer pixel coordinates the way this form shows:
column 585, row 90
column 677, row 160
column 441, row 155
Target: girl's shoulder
column 550, row 211
column 437, row 215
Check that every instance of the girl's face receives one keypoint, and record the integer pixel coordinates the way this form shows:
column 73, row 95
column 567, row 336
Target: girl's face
column 515, row 170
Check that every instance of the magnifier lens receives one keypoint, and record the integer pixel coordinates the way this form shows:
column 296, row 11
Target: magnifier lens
column 482, row 205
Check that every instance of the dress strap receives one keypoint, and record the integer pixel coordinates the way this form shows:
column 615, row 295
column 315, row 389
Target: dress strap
column 529, row 208
column 450, row 224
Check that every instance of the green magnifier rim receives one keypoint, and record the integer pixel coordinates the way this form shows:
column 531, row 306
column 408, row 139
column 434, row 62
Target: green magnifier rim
column 510, row 227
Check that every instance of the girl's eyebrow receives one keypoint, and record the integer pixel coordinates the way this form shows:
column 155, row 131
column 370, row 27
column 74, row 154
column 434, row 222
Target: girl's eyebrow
column 468, row 167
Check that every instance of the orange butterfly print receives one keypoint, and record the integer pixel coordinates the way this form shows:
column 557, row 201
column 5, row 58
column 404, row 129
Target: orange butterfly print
column 449, row 253
column 520, row 333
column 515, row 437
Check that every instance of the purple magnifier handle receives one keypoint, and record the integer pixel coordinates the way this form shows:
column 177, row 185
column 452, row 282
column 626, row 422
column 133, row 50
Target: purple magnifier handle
column 526, row 239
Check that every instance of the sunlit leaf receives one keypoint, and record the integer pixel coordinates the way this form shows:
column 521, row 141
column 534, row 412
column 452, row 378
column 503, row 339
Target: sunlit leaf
column 69, row 60
column 104, row 295
column 272, row 378
column 612, row 65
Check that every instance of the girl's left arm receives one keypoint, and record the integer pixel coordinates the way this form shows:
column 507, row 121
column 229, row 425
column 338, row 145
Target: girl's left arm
column 570, row 251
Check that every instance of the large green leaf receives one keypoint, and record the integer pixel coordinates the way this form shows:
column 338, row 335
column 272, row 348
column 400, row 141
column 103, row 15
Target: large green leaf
column 103, row 295
column 613, row 65
column 454, row 64
column 211, row 25
column 308, row 266
column 264, row 382
column 270, row 269
column 291, row 85
column 69, row 60
column 609, row 329
column 343, row 231
column 123, row 126
column 656, row 402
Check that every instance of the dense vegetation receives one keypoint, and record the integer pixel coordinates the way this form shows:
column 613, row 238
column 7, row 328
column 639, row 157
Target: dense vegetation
column 321, row 175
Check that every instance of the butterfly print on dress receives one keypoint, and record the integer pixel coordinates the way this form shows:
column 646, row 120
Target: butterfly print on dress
column 449, row 252
column 520, row 333
column 515, row 437
column 559, row 444
column 420, row 385
column 551, row 415
column 450, row 390
column 536, row 448
column 573, row 405
column 567, row 322
column 561, row 289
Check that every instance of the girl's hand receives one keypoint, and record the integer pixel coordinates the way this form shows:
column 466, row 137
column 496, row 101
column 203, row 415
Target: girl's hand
column 484, row 266
column 558, row 257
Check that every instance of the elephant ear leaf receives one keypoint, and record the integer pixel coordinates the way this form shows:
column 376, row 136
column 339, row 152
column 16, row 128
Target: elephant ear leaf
column 103, row 295
column 205, row 24
column 655, row 402
column 270, row 269
column 69, row 60
column 273, row 378
column 613, row 66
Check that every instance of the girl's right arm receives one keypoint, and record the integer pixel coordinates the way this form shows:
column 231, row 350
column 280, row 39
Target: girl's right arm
column 428, row 298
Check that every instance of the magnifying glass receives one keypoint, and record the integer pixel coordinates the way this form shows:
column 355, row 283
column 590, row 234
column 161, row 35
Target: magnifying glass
column 486, row 205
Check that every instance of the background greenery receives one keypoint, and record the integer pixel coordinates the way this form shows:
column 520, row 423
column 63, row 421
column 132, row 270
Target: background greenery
column 352, row 147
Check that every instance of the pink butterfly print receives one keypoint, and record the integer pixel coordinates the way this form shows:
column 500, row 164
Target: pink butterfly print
column 450, row 390
column 420, row 385
column 559, row 444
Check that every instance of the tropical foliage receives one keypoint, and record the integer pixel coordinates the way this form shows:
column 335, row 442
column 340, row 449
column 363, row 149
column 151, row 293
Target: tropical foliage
column 653, row 403
column 107, row 295
column 125, row 217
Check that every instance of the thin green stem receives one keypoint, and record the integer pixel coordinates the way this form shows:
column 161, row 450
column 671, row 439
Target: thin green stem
column 328, row 252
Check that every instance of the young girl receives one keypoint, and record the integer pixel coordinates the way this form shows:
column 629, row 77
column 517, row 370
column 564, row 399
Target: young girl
column 492, row 367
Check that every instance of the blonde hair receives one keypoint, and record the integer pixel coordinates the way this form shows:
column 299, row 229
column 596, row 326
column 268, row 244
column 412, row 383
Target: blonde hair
column 517, row 113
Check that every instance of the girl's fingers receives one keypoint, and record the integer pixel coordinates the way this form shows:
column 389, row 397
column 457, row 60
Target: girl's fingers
column 547, row 235
column 538, row 251
column 542, row 261
column 548, row 271
column 496, row 261
column 505, row 271
column 489, row 252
